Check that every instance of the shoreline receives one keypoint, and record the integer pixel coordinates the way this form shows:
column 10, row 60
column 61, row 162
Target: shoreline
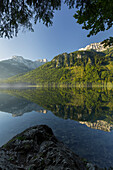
column 76, row 84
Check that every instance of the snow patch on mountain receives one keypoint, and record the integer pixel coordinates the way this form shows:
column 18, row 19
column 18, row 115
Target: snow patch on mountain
column 28, row 63
column 94, row 46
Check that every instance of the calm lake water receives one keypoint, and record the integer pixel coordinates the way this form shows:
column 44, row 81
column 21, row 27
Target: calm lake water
column 81, row 118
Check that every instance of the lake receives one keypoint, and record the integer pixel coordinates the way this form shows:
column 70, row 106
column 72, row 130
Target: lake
column 82, row 118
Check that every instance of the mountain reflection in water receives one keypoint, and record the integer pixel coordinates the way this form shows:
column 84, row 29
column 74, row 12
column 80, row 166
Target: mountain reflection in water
column 69, row 112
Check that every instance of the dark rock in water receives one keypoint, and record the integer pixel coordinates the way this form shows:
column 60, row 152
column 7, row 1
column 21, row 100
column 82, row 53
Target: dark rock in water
column 37, row 148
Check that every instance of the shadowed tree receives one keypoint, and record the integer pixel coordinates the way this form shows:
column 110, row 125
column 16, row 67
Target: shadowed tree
column 94, row 15
column 15, row 14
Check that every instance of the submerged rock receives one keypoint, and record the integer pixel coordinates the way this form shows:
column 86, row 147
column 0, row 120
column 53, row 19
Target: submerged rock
column 37, row 148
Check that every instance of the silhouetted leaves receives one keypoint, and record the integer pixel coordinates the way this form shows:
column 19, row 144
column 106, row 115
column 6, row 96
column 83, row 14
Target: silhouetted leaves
column 95, row 15
column 15, row 14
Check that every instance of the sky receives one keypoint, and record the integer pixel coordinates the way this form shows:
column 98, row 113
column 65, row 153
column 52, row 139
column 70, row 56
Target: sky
column 46, row 42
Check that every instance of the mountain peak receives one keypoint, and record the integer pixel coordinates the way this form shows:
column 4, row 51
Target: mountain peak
column 28, row 63
column 18, row 64
column 18, row 58
column 94, row 46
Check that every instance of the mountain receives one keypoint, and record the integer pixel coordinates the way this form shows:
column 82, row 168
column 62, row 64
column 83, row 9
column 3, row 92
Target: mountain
column 17, row 65
column 28, row 63
column 79, row 66
column 95, row 46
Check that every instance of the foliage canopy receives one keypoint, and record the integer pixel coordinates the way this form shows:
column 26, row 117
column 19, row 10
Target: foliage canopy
column 95, row 15
column 15, row 14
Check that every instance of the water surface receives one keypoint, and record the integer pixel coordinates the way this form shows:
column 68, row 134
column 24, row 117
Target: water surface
column 81, row 118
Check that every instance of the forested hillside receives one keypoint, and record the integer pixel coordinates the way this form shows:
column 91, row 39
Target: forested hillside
column 79, row 66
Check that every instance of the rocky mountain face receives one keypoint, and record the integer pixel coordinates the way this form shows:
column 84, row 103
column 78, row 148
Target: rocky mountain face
column 94, row 46
column 17, row 65
column 86, row 55
column 66, row 60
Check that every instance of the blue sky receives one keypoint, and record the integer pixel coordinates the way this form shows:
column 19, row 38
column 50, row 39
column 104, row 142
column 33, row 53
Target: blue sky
column 64, row 36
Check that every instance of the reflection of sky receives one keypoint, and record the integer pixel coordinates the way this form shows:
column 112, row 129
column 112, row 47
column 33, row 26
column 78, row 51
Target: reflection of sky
column 64, row 36
column 94, row 145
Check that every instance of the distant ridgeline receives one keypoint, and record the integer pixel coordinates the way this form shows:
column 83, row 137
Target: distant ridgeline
column 93, row 63
column 18, row 65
